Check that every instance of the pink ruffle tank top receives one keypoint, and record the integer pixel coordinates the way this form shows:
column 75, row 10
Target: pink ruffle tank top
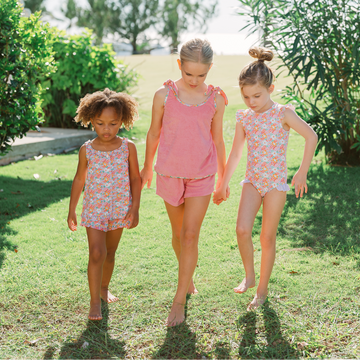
column 266, row 148
column 186, row 149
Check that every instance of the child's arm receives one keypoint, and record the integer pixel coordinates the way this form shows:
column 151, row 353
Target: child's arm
column 292, row 120
column 218, row 138
column 77, row 187
column 153, row 136
column 135, row 186
column 235, row 155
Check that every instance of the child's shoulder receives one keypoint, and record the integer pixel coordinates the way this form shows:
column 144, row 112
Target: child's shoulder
column 220, row 95
column 162, row 91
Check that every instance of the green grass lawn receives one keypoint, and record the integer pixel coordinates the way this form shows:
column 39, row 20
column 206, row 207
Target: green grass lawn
column 224, row 73
column 313, row 308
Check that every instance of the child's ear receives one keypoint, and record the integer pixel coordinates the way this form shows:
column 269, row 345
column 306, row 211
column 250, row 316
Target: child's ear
column 271, row 88
column 179, row 63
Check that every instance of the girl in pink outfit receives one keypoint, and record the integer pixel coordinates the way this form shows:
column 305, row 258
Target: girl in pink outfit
column 265, row 125
column 186, row 125
column 109, row 167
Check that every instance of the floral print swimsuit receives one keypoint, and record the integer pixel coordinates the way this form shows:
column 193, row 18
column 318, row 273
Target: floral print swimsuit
column 107, row 195
column 266, row 146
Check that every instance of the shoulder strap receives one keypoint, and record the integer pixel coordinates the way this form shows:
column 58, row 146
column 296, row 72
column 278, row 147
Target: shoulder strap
column 218, row 90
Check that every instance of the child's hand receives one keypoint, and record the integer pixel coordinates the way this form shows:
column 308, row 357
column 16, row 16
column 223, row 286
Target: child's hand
column 146, row 177
column 220, row 195
column 133, row 217
column 72, row 221
column 299, row 180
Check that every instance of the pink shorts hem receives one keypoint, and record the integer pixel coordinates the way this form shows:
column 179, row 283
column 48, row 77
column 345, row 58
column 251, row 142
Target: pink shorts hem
column 174, row 191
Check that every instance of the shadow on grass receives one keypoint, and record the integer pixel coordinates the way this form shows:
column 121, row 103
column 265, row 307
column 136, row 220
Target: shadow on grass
column 21, row 197
column 327, row 219
column 179, row 344
column 179, row 341
column 93, row 343
column 331, row 219
column 276, row 348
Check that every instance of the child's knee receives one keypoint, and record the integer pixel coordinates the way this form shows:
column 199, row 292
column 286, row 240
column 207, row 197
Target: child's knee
column 189, row 239
column 267, row 241
column 243, row 232
column 110, row 256
column 97, row 255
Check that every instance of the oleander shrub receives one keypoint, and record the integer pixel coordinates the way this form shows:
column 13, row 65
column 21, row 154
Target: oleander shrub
column 81, row 68
column 318, row 42
column 25, row 58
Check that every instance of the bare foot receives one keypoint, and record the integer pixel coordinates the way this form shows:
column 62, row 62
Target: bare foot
column 95, row 311
column 107, row 296
column 192, row 289
column 245, row 284
column 257, row 302
column 177, row 314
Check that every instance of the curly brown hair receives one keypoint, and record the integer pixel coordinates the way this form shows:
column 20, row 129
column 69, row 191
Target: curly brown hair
column 92, row 105
column 258, row 71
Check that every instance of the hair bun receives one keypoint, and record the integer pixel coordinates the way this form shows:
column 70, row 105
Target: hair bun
column 260, row 53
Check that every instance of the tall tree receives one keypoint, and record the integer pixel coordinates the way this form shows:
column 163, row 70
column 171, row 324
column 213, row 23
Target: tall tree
column 35, row 5
column 137, row 16
column 102, row 16
column 70, row 11
column 179, row 15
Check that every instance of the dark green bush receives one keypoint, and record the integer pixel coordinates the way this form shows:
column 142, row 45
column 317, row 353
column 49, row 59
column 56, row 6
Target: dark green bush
column 25, row 57
column 81, row 68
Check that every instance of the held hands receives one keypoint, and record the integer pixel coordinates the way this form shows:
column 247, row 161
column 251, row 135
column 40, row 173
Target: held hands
column 221, row 195
column 299, row 180
column 72, row 221
column 146, row 177
column 133, row 217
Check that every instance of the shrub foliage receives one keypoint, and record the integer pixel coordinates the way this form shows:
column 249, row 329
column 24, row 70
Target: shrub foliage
column 25, row 57
column 318, row 42
column 81, row 68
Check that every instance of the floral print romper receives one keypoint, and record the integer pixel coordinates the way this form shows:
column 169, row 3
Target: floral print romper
column 266, row 148
column 107, row 195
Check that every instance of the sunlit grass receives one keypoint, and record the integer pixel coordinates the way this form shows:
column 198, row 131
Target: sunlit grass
column 313, row 308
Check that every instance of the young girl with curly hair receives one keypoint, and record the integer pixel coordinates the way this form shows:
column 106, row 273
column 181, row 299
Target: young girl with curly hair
column 108, row 166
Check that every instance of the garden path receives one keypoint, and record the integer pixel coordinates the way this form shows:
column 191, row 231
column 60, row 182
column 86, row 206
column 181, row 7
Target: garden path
column 47, row 141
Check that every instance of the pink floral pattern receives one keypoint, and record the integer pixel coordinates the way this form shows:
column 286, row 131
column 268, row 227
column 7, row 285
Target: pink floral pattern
column 266, row 145
column 107, row 195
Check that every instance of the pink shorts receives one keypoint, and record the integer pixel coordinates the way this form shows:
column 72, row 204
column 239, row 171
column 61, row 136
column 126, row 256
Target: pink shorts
column 174, row 191
column 106, row 225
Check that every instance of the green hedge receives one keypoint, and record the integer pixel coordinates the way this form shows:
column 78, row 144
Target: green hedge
column 25, row 58
column 81, row 68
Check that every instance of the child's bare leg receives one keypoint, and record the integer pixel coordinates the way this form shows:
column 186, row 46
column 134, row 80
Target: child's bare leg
column 97, row 255
column 194, row 213
column 112, row 242
column 176, row 216
column 250, row 203
column 273, row 205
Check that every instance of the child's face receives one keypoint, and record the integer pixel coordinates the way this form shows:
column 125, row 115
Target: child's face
column 193, row 74
column 107, row 124
column 257, row 97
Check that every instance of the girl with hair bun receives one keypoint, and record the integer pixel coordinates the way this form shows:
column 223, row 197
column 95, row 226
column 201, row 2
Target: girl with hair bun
column 265, row 125
column 186, row 125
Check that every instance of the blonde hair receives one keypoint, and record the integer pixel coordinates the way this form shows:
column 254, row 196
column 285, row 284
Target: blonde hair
column 258, row 72
column 197, row 50
column 93, row 104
